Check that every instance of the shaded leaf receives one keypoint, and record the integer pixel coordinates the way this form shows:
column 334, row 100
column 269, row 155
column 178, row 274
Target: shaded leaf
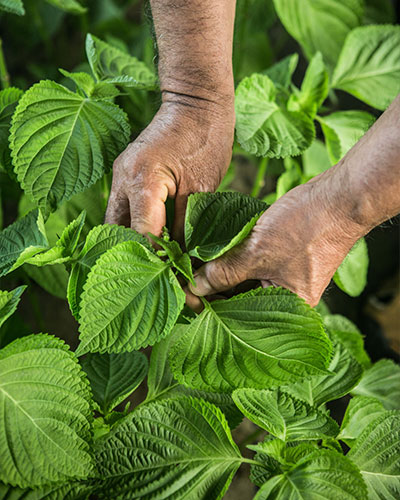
column 71, row 6
column 281, row 73
column 8, row 102
column 13, row 6
column 351, row 275
column 9, row 302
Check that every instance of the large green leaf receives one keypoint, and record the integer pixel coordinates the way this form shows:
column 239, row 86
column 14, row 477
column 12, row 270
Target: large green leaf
column 281, row 73
column 284, row 416
column 381, row 381
column 315, row 160
column 342, row 130
column 216, row 222
column 45, row 403
column 131, row 299
column 351, row 275
column 370, row 62
column 72, row 490
column 13, row 6
column 62, row 143
column 110, row 64
column 161, row 383
column 8, row 102
column 21, row 240
column 259, row 339
column 99, row 240
column 64, row 248
column 177, row 448
column 71, row 6
column 53, row 279
column 377, row 453
column 314, row 88
column 265, row 128
column 345, row 373
column 360, row 412
column 324, row 475
column 349, row 335
column 113, row 377
column 9, row 302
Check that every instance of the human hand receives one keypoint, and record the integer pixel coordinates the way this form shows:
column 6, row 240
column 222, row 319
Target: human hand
column 186, row 148
column 298, row 243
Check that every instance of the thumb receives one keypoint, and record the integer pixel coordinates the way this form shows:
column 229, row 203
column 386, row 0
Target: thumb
column 220, row 274
column 147, row 209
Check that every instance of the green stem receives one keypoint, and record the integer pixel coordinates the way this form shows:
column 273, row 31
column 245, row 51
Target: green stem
column 4, row 76
column 252, row 462
column 259, row 182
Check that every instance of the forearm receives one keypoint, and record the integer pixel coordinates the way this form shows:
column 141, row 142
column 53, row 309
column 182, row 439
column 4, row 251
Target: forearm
column 364, row 187
column 194, row 40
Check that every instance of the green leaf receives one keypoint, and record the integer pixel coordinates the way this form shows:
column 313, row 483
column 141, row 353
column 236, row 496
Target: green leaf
column 284, row 416
column 71, row 6
column 370, row 62
column 113, row 377
column 45, row 403
column 64, row 248
column 99, row 240
column 112, row 65
column 281, row 73
column 178, row 448
column 161, row 383
column 320, row 25
column 351, row 275
column 62, row 143
column 377, row 453
column 324, row 474
column 342, row 130
column 9, row 302
column 13, row 6
column 345, row 374
column 315, row 160
column 216, row 222
column 349, row 335
column 82, row 80
column 381, row 381
column 131, row 299
column 258, row 339
column 21, row 240
column 72, row 490
column 379, row 12
column 314, row 89
column 8, row 102
column 288, row 180
column 53, row 279
column 265, row 128
column 360, row 412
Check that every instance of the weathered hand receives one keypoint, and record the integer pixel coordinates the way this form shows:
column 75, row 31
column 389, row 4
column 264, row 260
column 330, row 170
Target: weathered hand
column 186, row 148
column 298, row 243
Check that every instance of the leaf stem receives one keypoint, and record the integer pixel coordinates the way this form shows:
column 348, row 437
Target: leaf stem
column 252, row 462
column 259, row 182
column 4, row 76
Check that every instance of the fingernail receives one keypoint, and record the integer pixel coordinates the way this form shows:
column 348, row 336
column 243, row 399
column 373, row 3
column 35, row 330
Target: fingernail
column 202, row 287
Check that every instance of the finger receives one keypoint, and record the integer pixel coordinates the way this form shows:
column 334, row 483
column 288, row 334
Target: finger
column 178, row 229
column 193, row 301
column 221, row 274
column 147, row 209
column 118, row 210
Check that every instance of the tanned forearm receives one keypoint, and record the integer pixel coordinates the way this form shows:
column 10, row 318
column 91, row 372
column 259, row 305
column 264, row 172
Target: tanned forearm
column 194, row 40
column 365, row 184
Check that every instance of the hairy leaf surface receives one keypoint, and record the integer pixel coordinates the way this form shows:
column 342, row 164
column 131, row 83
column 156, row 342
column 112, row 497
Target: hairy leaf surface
column 381, row 381
column 113, row 377
column 216, row 222
column 377, row 453
column 72, row 490
column 320, row 25
column 177, row 448
column 22, row 240
column 259, row 339
column 13, row 6
column 284, row 416
column 110, row 64
column 351, row 275
column 9, row 302
column 360, row 412
column 324, row 474
column 8, row 102
column 131, row 299
column 370, row 62
column 99, row 240
column 62, row 143
column 45, row 403
column 265, row 128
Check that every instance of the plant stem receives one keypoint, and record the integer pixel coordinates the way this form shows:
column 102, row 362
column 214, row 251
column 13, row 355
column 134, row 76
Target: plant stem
column 259, row 182
column 4, row 76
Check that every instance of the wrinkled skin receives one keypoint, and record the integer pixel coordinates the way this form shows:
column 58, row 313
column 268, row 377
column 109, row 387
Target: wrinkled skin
column 186, row 148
